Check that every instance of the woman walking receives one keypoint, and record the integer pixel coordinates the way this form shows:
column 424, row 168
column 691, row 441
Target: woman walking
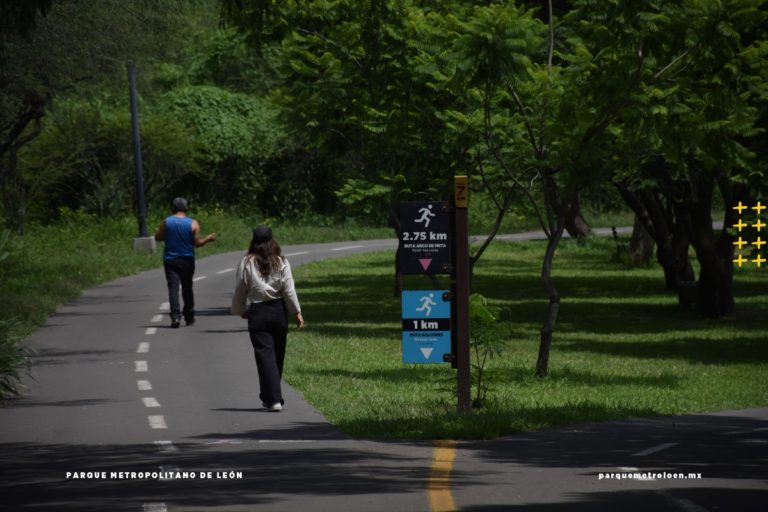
column 265, row 295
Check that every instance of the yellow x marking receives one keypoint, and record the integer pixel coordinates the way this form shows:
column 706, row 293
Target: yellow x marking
column 740, row 225
column 759, row 243
column 758, row 225
column 758, row 208
column 741, row 259
column 740, row 243
column 759, row 260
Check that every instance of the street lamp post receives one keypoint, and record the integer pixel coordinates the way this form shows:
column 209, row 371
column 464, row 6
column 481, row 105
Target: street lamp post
column 143, row 242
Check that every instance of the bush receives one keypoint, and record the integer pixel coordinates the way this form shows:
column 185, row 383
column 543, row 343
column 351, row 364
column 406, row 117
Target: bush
column 13, row 357
column 83, row 159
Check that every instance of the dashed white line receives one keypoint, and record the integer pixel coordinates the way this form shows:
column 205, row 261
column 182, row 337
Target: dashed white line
column 155, row 507
column 143, row 347
column 150, row 402
column 157, row 318
column 289, row 441
column 748, row 431
column 157, row 421
column 296, row 254
column 654, row 449
column 261, row 441
column 150, row 331
column 225, row 271
column 347, row 248
column 144, row 385
column 165, row 446
column 199, row 278
column 165, row 306
column 682, row 503
column 141, row 366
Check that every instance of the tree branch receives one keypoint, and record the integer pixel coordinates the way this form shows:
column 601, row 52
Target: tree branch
column 672, row 63
column 526, row 121
column 503, row 163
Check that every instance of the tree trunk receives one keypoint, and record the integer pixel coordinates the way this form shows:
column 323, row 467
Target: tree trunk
column 575, row 224
column 715, row 255
column 501, row 211
column 641, row 245
column 553, row 308
column 12, row 191
column 663, row 225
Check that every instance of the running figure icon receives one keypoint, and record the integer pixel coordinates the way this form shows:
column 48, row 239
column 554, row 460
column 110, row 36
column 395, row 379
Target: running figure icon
column 426, row 215
column 427, row 303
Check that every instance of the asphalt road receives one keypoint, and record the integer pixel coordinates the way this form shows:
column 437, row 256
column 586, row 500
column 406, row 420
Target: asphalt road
column 119, row 399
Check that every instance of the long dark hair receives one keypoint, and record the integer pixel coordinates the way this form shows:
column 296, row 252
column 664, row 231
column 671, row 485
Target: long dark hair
column 267, row 256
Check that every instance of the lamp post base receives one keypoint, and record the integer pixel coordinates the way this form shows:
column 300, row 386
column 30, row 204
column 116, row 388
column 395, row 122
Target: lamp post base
column 144, row 244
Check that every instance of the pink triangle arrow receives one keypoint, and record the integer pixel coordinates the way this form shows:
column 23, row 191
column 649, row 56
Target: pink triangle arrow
column 425, row 262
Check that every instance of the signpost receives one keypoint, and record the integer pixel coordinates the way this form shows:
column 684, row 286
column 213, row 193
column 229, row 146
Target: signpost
column 435, row 240
column 460, row 277
column 426, row 325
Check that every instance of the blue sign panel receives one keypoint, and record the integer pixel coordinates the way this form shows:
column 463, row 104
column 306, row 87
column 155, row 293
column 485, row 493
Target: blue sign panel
column 426, row 325
column 426, row 304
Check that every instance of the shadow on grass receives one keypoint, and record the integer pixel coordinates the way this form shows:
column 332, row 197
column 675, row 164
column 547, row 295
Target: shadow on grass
column 595, row 305
column 586, row 377
column 485, row 423
column 406, row 374
column 694, row 350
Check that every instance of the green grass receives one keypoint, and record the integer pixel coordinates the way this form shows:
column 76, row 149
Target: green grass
column 622, row 347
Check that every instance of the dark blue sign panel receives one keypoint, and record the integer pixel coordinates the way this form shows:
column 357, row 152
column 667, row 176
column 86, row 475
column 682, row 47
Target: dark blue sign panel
column 426, row 325
column 424, row 240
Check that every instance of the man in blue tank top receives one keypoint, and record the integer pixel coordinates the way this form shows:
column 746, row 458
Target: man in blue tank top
column 181, row 235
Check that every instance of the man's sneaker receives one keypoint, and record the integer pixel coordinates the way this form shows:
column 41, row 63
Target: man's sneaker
column 276, row 407
column 190, row 321
column 175, row 323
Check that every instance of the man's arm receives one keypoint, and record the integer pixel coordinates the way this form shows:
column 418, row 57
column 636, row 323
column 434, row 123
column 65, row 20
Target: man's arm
column 160, row 233
column 199, row 242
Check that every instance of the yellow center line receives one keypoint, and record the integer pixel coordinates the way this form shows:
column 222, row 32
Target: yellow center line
column 439, row 486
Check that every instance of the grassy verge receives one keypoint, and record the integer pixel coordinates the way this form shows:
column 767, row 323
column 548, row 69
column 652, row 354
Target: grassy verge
column 622, row 347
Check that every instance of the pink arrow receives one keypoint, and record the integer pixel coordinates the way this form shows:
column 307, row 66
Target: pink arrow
column 425, row 262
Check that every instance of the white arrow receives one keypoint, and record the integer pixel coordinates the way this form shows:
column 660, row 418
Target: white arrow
column 427, row 352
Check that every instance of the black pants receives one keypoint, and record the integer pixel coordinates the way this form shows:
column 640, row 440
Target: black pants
column 180, row 272
column 268, row 328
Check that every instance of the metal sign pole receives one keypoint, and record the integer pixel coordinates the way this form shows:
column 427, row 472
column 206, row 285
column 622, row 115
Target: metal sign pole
column 461, row 298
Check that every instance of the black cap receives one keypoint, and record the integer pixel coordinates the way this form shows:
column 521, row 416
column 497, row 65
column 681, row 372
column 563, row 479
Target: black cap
column 179, row 204
column 262, row 234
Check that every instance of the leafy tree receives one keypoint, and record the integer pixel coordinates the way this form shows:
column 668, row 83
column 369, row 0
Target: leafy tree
column 76, row 43
column 237, row 135
column 81, row 160
column 350, row 98
column 691, row 129
column 499, row 62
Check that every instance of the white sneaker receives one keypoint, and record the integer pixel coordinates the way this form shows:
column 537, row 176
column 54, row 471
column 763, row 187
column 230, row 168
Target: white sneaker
column 276, row 407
